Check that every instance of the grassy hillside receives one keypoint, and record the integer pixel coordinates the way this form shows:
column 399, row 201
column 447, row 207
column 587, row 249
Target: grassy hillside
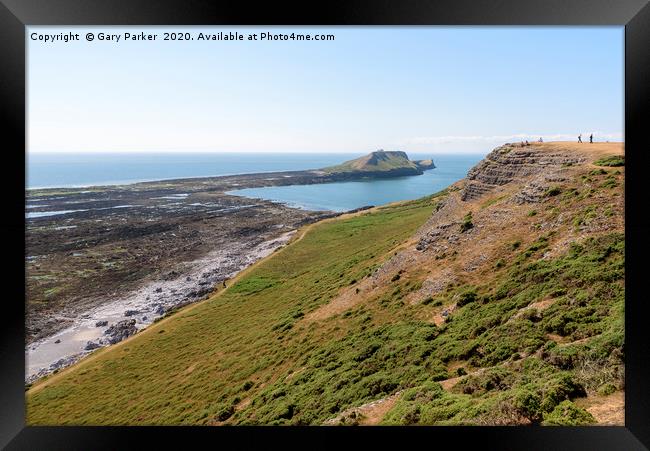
column 379, row 161
column 516, row 317
column 196, row 365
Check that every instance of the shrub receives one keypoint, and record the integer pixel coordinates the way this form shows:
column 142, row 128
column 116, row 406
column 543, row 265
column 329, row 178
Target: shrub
column 497, row 378
column 606, row 389
column 527, row 403
column 467, row 222
column 284, row 411
column 563, row 358
column 562, row 388
column 531, row 314
column 411, row 416
column 553, row 191
column 609, row 183
column 611, row 161
column 224, row 412
column 568, row 414
column 466, row 297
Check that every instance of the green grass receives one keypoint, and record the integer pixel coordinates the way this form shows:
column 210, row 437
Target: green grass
column 493, row 201
column 250, row 356
column 587, row 285
column 611, row 161
column 192, row 367
column 467, row 222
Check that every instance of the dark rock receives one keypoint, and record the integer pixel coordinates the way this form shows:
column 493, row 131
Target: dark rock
column 121, row 330
column 131, row 312
column 91, row 345
column 158, row 290
column 57, row 341
column 171, row 275
column 101, row 323
column 365, row 207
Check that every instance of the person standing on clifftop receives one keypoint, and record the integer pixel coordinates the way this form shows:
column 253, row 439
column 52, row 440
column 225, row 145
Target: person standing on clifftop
column 591, row 138
column 580, row 138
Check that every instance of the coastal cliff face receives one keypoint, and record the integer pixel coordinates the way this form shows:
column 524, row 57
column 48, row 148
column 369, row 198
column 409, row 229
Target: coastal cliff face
column 498, row 301
column 512, row 161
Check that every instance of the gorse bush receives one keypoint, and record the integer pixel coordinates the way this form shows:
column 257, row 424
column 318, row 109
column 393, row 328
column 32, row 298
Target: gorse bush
column 467, row 222
column 568, row 414
column 554, row 191
column 586, row 285
column 611, row 161
column 467, row 296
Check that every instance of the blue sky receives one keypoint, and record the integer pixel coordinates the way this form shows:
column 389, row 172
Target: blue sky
column 418, row 89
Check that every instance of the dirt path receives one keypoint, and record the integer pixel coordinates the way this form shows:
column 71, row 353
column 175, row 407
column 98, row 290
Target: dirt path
column 369, row 414
column 607, row 410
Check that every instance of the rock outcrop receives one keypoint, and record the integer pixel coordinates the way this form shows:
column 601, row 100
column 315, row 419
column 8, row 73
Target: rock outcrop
column 512, row 161
column 120, row 331
column 425, row 164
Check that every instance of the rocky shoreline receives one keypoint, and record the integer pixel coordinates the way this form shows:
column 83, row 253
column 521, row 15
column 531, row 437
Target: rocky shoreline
column 104, row 262
column 119, row 319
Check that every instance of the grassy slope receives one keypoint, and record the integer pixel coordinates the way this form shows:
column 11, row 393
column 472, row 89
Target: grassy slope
column 527, row 375
column 248, row 355
column 192, row 366
column 386, row 162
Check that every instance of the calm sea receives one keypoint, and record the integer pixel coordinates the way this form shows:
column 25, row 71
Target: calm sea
column 80, row 170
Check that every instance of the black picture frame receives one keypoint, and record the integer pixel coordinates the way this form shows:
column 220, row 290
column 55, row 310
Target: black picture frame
column 15, row 15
